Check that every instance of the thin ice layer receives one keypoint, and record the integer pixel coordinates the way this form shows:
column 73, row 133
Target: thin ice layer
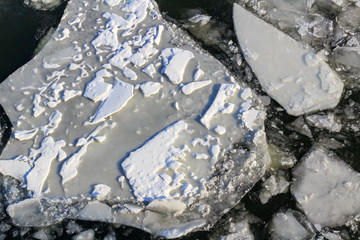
column 289, row 72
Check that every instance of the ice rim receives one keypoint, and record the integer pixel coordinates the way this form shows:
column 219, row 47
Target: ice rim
column 101, row 63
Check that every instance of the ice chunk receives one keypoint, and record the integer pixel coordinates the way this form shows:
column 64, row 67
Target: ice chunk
column 327, row 122
column 326, row 188
column 101, row 191
column 48, row 151
column 150, row 88
column 286, row 226
column 42, row 4
column 175, row 61
column 283, row 66
column 85, row 235
column 220, row 103
column 272, row 186
column 203, row 19
column 97, row 89
column 96, row 211
column 193, row 86
column 119, row 96
column 112, row 3
column 16, row 168
column 239, row 230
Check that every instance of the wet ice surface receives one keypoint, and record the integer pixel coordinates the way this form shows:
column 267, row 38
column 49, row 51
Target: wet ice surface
column 290, row 137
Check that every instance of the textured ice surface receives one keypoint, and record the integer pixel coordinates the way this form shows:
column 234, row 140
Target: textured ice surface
column 289, row 72
column 122, row 118
column 326, row 188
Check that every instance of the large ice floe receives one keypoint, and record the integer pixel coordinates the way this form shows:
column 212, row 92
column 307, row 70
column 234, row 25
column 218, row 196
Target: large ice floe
column 290, row 72
column 122, row 118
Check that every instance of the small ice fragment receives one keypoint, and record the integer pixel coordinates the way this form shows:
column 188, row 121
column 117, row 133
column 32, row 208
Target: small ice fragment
column 320, row 190
column 159, row 34
column 246, row 93
column 25, row 134
column 69, row 94
column 174, row 62
column 149, row 70
column 286, row 226
column 250, row 117
column 101, row 191
column 167, row 206
column 218, row 104
column 327, row 122
column 97, row 89
column 37, row 109
column 85, row 235
column 130, row 74
column 203, row 19
column 133, row 208
column 112, row 3
column 198, row 74
column 215, row 150
column 119, row 96
column 272, row 186
column 150, row 88
column 198, row 156
column 220, row 129
column 193, row 86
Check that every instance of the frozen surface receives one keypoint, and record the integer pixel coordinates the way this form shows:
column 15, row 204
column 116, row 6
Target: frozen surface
column 326, row 188
column 292, row 74
column 122, row 118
